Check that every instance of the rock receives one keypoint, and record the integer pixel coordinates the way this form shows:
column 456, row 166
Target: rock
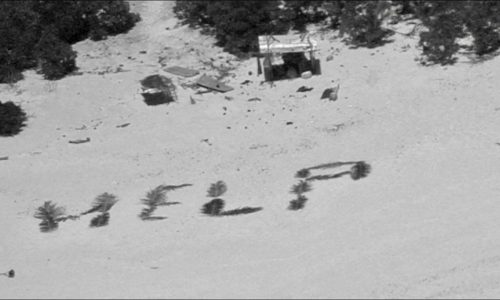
column 306, row 75
column 329, row 57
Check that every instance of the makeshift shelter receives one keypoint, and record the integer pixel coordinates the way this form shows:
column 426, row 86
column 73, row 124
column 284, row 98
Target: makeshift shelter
column 292, row 49
column 157, row 89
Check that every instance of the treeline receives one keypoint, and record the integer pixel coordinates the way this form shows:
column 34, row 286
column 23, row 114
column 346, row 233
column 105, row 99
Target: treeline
column 38, row 33
column 236, row 24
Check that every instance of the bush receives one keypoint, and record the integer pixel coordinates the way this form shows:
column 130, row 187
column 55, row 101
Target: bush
column 112, row 18
column 12, row 119
column 303, row 12
column 482, row 20
column 445, row 23
column 27, row 25
column 236, row 24
column 362, row 21
column 56, row 56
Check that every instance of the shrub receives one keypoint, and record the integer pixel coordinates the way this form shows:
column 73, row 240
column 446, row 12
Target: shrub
column 236, row 24
column 24, row 23
column 482, row 20
column 50, row 215
column 445, row 23
column 362, row 21
column 56, row 56
column 112, row 18
column 12, row 119
column 303, row 12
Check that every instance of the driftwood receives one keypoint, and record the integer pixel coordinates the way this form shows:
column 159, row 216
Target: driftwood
column 80, row 141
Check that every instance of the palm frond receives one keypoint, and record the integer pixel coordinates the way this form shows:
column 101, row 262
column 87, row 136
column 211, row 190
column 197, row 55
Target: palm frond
column 217, row 189
column 326, row 177
column 332, row 165
column 100, row 220
column 49, row 210
column 301, row 187
column 304, row 173
column 360, row 170
column 49, row 213
column 298, row 203
column 213, row 208
column 167, row 188
column 154, row 198
column 241, row 211
column 102, row 203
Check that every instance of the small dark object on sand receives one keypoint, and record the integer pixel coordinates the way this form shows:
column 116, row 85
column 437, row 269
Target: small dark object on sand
column 80, row 141
column 9, row 274
column 123, row 125
column 304, row 89
column 4, row 158
column 254, row 99
column 289, row 123
column 246, row 82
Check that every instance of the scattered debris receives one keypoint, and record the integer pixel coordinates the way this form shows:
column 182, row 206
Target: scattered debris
column 331, row 93
column 228, row 98
column 122, row 125
column 80, row 141
column 304, row 89
column 246, row 82
column 176, row 70
column 212, row 84
column 254, row 99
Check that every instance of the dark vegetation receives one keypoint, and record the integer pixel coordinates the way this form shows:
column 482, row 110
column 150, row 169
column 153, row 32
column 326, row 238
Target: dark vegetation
column 237, row 24
column 39, row 33
column 12, row 118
